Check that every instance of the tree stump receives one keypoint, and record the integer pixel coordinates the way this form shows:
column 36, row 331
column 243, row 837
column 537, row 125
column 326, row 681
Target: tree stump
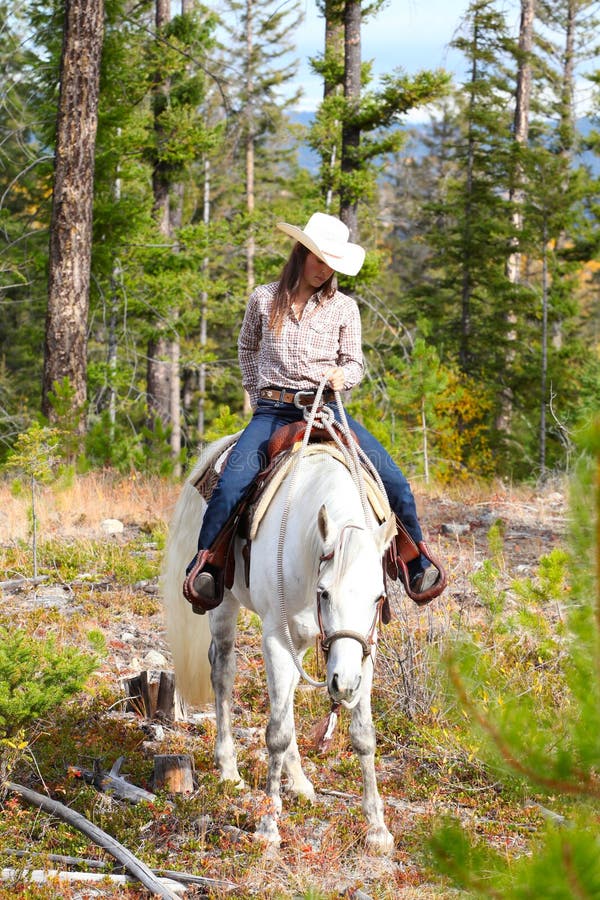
column 153, row 694
column 174, row 773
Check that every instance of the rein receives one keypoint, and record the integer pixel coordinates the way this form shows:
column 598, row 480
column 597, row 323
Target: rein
column 323, row 418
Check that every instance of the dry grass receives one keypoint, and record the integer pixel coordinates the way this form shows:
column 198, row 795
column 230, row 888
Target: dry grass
column 77, row 508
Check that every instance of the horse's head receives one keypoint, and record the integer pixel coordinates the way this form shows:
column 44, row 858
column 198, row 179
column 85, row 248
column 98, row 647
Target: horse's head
column 350, row 591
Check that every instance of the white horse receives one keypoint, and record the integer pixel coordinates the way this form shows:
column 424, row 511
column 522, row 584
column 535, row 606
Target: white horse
column 316, row 568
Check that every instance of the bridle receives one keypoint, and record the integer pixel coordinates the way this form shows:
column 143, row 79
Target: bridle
column 368, row 641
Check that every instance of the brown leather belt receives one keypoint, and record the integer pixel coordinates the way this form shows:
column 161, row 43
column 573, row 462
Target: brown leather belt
column 298, row 398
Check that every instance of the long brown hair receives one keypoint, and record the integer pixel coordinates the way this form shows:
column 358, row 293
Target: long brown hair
column 289, row 282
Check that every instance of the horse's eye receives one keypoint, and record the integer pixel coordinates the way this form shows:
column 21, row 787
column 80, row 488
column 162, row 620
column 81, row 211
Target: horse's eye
column 324, row 595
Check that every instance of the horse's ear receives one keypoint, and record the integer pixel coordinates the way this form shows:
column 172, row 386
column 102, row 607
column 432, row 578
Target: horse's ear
column 385, row 534
column 324, row 523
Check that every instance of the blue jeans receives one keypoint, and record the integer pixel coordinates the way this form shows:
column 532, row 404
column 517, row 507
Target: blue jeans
column 249, row 457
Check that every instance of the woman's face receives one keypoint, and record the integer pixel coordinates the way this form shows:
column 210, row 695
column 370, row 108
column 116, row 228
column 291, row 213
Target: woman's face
column 315, row 272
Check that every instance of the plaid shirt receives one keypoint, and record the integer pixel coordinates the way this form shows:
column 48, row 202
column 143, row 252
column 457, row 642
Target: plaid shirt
column 328, row 334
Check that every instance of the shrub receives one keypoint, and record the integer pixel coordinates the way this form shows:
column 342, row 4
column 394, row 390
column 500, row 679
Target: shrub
column 36, row 676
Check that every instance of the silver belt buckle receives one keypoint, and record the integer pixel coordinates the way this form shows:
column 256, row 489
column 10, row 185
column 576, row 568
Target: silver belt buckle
column 298, row 403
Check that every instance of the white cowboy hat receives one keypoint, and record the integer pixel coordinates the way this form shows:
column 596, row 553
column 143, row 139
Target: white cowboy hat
column 327, row 238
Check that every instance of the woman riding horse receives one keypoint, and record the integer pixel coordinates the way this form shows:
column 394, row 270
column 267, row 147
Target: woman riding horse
column 296, row 332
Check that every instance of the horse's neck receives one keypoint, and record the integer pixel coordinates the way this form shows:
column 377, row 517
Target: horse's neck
column 294, row 516
column 322, row 480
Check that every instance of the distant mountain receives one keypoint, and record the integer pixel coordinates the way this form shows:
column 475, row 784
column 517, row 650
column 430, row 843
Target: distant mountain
column 308, row 159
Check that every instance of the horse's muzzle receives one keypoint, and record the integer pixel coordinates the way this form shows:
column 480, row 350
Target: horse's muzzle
column 341, row 691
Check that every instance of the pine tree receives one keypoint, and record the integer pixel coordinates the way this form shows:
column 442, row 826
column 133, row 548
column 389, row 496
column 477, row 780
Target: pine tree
column 159, row 278
column 25, row 161
column 354, row 126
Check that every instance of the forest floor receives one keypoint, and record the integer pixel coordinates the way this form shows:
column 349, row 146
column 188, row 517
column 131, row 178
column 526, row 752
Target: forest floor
column 102, row 588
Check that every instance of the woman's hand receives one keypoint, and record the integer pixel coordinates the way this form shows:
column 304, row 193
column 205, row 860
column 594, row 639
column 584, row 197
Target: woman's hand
column 336, row 377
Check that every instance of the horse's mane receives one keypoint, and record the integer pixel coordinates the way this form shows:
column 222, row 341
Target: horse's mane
column 346, row 551
column 328, row 469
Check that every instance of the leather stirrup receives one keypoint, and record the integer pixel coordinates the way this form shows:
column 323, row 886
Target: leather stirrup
column 435, row 590
column 200, row 604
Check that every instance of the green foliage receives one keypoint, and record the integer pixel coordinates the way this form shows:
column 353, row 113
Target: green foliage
column 97, row 641
column 126, row 564
column 373, row 118
column 36, row 676
column 117, row 446
column 179, row 107
column 35, row 453
column 225, row 423
column 544, row 731
column 559, row 859
column 422, row 411
column 61, row 398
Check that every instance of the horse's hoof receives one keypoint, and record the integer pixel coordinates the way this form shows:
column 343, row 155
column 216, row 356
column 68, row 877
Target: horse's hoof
column 232, row 775
column 379, row 840
column 238, row 783
column 303, row 790
column 268, row 832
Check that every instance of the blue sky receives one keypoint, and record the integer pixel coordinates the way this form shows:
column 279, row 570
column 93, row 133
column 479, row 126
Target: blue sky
column 412, row 34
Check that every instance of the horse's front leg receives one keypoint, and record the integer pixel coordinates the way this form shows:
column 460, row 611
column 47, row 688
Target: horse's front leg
column 297, row 783
column 282, row 679
column 223, row 626
column 362, row 735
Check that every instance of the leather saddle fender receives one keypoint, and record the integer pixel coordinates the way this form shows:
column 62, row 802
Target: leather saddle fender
column 403, row 550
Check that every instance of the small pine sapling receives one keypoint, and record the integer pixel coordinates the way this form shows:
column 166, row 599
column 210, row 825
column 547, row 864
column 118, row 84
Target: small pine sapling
column 35, row 455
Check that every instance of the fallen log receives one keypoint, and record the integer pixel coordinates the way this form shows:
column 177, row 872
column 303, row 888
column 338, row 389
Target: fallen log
column 112, row 783
column 16, row 584
column 43, row 876
column 182, row 877
column 131, row 863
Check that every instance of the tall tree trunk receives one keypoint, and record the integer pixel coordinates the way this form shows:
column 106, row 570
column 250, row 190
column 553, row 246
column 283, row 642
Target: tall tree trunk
column 160, row 175
column 517, row 191
column 250, row 139
column 175, row 399
column 158, row 380
column 566, row 125
column 350, row 129
column 160, row 350
column 65, row 350
column 334, row 50
column 204, row 309
column 544, row 361
column 567, row 92
column 112, row 349
column 111, row 354
column 521, row 127
column 467, row 282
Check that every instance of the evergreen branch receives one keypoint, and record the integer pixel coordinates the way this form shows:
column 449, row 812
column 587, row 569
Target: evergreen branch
column 597, row 609
column 575, row 886
column 587, row 786
column 27, row 169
